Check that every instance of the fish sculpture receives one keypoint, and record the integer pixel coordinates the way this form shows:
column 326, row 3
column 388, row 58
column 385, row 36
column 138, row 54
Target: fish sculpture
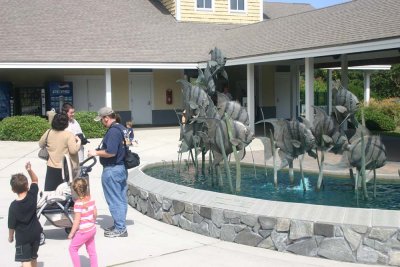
column 328, row 135
column 217, row 64
column 323, row 128
column 189, row 137
column 207, row 128
column 241, row 137
column 196, row 100
column 345, row 105
column 232, row 109
column 214, row 68
column 375, row 151
column 291, row 139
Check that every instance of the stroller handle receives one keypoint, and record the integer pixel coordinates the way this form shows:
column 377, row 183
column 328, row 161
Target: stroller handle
column 88, row 159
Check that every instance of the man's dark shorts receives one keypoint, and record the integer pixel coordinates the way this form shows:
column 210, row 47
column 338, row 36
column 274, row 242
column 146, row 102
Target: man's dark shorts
column 26, row 252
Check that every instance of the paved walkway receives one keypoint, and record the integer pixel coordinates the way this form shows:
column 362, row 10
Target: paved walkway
column 150, row 242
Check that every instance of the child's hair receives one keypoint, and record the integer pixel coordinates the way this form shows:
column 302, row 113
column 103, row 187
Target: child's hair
column 19, row 183
column 129, row 124
column 80, row 186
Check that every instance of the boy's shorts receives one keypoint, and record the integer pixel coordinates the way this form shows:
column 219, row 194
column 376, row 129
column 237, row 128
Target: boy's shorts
column 26, row 252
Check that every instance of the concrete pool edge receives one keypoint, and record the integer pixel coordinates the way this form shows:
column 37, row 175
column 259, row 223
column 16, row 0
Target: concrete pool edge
column 345, row 234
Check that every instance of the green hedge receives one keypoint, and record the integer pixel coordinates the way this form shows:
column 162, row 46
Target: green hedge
column 23, row 128
column 91, row 128
column 376, row 120
column 31, row 128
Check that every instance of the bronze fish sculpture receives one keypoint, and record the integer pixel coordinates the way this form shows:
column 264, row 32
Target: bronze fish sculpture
column 345, row 105
column 293, row 138
column 232, row 109
column 196, row 100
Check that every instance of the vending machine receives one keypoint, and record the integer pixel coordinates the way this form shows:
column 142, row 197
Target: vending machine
column 6, row 100
column 31, row 101
column 58, row 93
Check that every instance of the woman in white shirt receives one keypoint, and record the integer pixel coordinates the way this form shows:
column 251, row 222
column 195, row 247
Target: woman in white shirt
column 73, row 126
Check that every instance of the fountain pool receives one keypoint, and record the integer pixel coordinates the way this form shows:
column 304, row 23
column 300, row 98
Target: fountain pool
column 337, row 191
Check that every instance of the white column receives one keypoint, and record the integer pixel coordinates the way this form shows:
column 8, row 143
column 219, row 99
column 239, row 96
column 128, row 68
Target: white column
column 260, row 86
column 294, row 99
column 344, row 78
column 178, row 10
column 330, row 84
column 344, row 71
column 250, row 94
column 367, row 87
column 309, row 84
column 108, row 88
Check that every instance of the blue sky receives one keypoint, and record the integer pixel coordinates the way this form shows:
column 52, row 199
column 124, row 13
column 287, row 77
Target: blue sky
column 314, row 3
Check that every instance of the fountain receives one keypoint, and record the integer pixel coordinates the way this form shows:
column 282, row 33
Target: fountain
column 365, row 235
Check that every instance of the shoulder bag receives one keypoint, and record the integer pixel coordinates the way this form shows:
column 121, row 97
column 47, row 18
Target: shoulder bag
column 43, row 153
column 132, row 159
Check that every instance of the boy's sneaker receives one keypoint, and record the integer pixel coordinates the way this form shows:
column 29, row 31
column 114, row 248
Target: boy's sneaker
column 116, row 233
column 109, row 229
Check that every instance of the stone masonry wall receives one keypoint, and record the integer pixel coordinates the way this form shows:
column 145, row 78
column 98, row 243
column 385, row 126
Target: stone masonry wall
column 349, row 243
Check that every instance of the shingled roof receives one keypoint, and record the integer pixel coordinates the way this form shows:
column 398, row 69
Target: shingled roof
column 273, row 10
column 353, row 22
column 100, row 31
column 142, row 31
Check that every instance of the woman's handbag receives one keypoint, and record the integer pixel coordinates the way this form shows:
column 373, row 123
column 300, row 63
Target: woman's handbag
column 43, row 153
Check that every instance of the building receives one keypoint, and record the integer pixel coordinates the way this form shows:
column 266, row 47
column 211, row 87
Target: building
column 129, row 54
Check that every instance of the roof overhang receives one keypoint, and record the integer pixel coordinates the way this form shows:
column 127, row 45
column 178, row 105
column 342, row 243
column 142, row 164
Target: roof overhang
column 366, row 67
column 319, row 52
column 97, row 65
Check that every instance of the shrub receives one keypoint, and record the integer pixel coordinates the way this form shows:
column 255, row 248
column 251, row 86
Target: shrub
column 23, row 128
column 31, row 128
column 90, row 128
column 376, row 120
column 390, row 107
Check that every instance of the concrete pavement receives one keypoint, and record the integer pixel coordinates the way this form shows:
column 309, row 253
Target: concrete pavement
column 150, row 242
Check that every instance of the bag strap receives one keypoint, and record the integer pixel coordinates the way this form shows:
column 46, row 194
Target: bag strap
column 123, row 136
column 47, row 136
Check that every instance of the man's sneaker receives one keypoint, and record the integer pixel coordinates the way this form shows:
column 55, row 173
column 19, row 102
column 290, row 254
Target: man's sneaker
column 109, row 229
column 116, row 233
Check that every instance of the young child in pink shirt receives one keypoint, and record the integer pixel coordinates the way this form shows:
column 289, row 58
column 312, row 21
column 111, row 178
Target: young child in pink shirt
column 84, row 228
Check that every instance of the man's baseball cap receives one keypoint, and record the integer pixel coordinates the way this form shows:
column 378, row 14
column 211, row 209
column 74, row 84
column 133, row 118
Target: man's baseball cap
column 104, row 111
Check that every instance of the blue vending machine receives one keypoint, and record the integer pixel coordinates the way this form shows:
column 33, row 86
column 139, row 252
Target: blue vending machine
column 58, row 93
column 6, row 100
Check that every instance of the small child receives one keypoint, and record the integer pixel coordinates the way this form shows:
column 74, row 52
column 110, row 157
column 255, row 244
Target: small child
column 129, row 135
column 22, row 219
column 84, row 228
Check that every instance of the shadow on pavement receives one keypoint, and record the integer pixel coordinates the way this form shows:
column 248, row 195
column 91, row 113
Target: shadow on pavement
column 106, row 221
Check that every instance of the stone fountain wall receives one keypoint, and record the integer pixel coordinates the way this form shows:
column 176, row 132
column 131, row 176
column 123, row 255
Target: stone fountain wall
column 350, row 243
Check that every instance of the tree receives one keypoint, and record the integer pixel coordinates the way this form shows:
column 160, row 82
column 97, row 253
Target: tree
column 386, row 84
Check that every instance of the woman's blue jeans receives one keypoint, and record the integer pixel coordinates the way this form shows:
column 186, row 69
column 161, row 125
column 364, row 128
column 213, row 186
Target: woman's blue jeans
column 113, row 180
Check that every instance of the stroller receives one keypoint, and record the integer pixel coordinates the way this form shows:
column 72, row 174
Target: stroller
column 57, row 206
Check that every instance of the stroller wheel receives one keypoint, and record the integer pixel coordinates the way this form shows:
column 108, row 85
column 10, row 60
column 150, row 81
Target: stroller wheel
column 68, row 230
column 42, row 239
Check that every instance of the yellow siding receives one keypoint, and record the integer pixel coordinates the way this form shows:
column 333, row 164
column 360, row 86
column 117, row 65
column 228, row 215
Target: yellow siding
column 163, row 80
column 169, row 5
column 220, row 12
column 120, row 89
column 267, row 86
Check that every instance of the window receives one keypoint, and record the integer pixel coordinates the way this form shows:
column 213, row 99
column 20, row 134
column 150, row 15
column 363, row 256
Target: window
column 206, row 4
column 237, row 5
